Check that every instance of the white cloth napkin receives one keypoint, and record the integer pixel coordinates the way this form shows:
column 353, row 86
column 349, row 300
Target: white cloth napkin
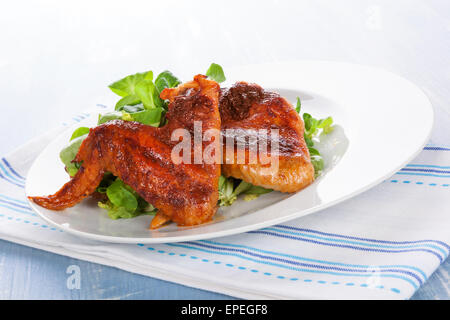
column 382, row 244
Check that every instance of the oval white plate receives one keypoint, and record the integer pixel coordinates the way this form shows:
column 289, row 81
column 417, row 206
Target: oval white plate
column 383, row 122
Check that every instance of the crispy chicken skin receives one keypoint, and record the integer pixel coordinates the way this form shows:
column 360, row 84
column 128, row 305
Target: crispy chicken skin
column 140, row 155
column 247, row 107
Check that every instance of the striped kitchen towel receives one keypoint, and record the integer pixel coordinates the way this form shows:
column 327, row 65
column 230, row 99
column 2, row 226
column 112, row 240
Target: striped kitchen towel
column 382, row 244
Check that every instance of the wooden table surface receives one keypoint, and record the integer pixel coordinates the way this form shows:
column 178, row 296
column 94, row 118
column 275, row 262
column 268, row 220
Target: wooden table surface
column 57, row 58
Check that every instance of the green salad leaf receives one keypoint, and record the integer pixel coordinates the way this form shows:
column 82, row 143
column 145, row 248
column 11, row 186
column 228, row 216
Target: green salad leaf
column 226, row 188
column 326, row 125
column 150, row 117
column 140, row 102
column 230, row 188
column 148, row 94
column 140, row 89
column 298, row 105
column 166, row 80
column 313, row 129
column 129, row 100
column 123, row 202
column 81, row 131
column 68, row 154
column 215, row 72
column 109, row 116
column 120, row 195
column 108, row 179
column 127, row 85
column 257, row 190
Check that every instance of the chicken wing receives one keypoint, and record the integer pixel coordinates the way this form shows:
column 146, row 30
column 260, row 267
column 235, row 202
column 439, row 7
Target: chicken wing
column 140, row 155
column 245, row 109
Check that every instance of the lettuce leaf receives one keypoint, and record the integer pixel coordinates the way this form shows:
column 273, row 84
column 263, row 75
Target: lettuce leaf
column 124, row 203
column 126, row 86
column 215, row 72
column 166, row 80
column 69, row 152
column 140, row 102
column 313, row 129
column 81, row 131
column 230, row 188
column 148, row 94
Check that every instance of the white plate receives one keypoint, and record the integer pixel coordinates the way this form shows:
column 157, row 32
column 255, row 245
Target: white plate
column 384, row 121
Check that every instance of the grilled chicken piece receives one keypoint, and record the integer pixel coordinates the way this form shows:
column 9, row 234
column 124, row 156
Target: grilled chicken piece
column 140, row 155
column 247, row 108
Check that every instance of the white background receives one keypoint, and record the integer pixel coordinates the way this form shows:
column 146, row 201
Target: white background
column 57, row 57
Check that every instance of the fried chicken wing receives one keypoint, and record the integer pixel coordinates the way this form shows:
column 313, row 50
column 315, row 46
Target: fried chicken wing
column 245, row 109
column 140, row 155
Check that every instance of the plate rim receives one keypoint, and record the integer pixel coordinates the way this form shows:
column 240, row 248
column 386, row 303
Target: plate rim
column 262, row 224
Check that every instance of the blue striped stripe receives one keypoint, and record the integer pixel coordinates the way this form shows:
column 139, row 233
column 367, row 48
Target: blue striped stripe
column 13, row 199
column 22, row 208
column 266, row 274
column 12, row 169
column 17, row 210
column 437, row 145
column 30, row 222
column 427, row 166
column 425, row 170
column 423, row 174
column 437, row 148
column 315, row 260
column 301, row 264
column 273, row 252
column 294, row 268
column 441, row 259
column 13, row 182
column 9, row 175
column 362, row 239
column 15, row 204
column 376, row 245
column 78, row 118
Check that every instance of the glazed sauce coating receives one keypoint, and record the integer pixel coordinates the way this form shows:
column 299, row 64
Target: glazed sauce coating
column 248, row 108
column 236, row 101
column 245, row 110
column 140, row 155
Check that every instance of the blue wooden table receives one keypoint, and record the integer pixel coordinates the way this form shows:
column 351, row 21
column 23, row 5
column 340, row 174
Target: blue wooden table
column 27, row 273
column 57, row 58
